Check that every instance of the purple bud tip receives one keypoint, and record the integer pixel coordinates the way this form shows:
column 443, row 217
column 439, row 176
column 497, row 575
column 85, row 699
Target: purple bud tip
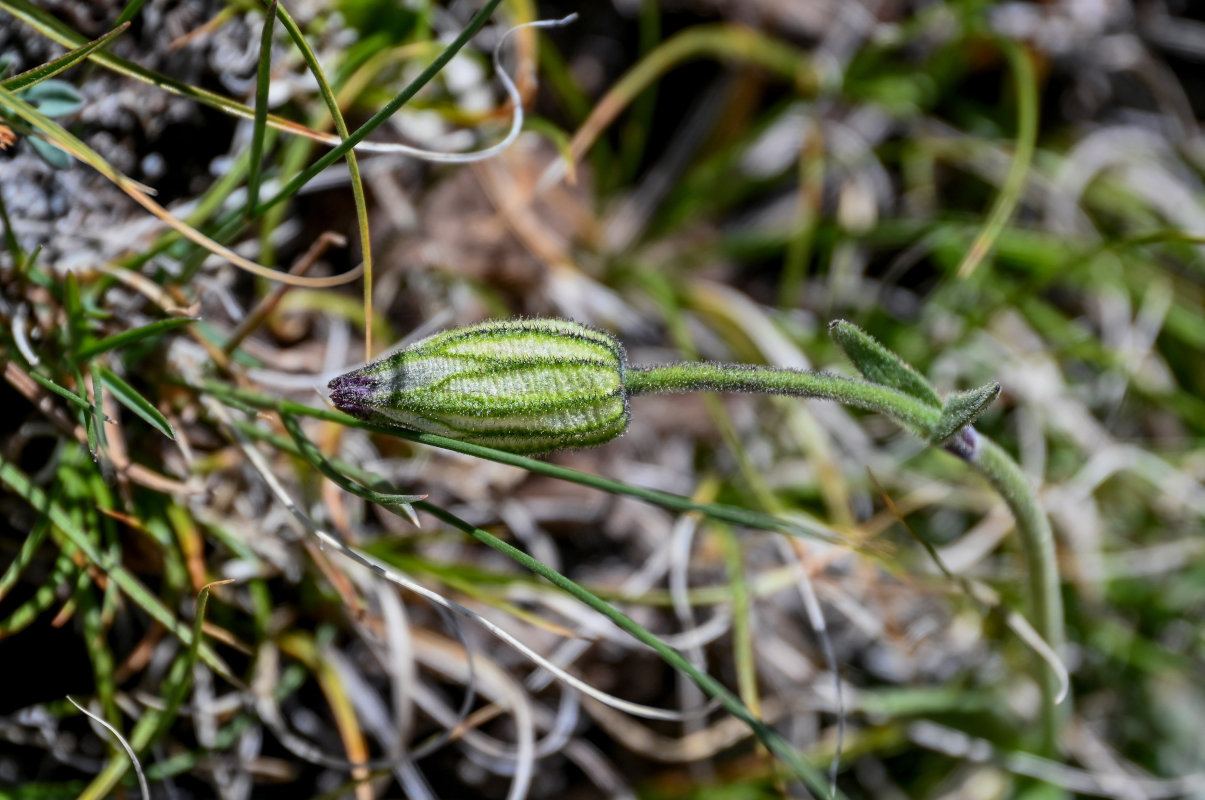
column 352, row 393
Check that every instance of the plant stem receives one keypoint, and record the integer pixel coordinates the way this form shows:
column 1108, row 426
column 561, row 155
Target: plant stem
column 1045, row 592
column 988, row 458
column 913, row 414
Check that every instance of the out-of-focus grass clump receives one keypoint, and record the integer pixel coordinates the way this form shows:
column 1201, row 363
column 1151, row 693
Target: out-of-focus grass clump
column 1001, row 192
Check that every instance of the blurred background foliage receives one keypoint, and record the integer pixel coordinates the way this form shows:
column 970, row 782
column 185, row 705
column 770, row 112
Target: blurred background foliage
column 1003, row 191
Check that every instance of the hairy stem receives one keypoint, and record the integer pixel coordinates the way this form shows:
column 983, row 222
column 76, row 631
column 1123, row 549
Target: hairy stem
column 988, row 458
column 1045, row 595
column 913, row 414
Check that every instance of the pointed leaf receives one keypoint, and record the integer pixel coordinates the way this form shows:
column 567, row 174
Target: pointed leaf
column 962, row 409
column 63, row 62
column 126, row 338
column 879, row 365
column 129, row 397
column 63, row 392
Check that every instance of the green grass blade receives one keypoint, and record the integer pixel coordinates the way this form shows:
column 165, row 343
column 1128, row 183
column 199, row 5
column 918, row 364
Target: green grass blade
column 24, row 614
column 129, row 397
column 310, row 452
column 724, row 513
column 131, row 336
column 774, row 742
column 66, row 394
column 64, row 62
column 28, row 548
column 130, row 11
column 386, row 111
column 353, row 167
column 1014, row 182
column 263, row 77
column 16, row 480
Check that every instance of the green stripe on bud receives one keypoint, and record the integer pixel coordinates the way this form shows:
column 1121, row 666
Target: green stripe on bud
column 525, row 386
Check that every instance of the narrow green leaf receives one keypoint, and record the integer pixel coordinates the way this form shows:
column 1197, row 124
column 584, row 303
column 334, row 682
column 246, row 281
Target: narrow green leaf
column 130, row 11
column 24, row 556
column 180, row 676
column 16, row 480
column 774, row 741
column 10, row 238
column 353, row 168
column 310, row 451
column 962, row 409
column 129, row 397
column 879, row 365
column 43, row 597
column 64, row 62
column 127, row 338
column 73, row 306
column 262, row 80
column 385, row 112
column 1025, row 78
column 66, row 394
column 240, row 398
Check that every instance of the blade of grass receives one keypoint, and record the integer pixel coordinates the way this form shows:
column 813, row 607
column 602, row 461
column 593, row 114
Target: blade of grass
column 130, row 11
column 43, row 597
column 353, row 168
column 129, row 337
column 25, row 554
column 129, row 397
column 1014, row 182
column 71, row 144
column 308, row 450
column 66, row 394
column 16, row 480
column 724, row 513
column 774, row 742
column 386, row 111
column 263, row 77
column 64, row 62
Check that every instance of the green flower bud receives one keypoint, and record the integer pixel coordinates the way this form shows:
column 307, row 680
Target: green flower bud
column 525, row 386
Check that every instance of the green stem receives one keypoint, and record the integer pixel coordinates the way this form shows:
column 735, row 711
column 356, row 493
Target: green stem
column 1045, row 594
column 913, row 414
column 921, row 418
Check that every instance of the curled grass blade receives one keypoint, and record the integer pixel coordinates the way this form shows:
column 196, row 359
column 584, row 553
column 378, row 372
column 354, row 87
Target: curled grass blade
column 71, row 144
column 353, row 168
column 142, row 786
column 1014, row 182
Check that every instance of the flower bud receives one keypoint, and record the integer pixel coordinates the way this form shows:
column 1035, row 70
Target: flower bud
column 525, row 386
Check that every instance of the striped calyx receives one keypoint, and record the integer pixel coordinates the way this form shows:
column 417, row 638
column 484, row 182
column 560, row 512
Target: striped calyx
column 525, row 386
